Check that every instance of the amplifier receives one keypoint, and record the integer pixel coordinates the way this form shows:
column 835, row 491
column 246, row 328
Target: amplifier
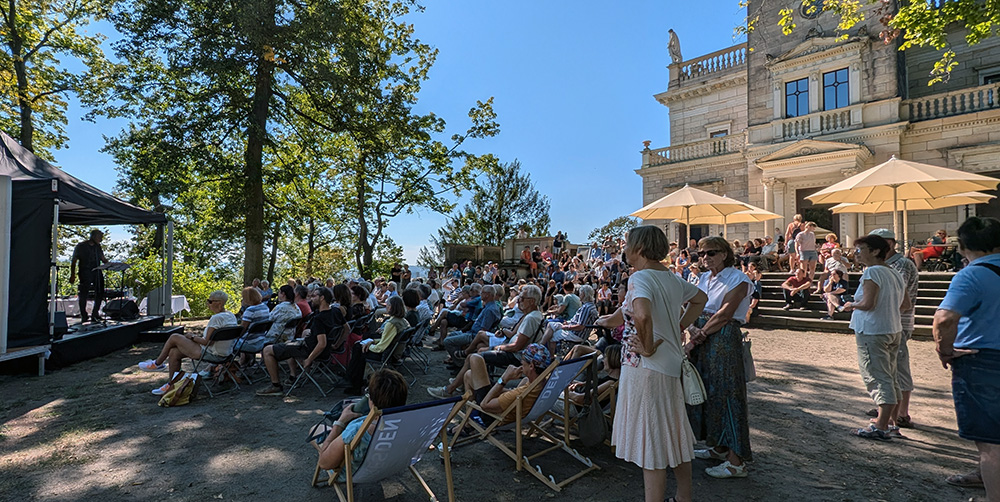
column 122, row 310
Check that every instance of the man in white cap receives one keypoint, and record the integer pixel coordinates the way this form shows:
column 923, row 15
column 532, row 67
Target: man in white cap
column 908, row 270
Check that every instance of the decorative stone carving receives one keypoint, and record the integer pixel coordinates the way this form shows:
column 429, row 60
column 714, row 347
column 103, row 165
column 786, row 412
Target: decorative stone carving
column 768, row 182
column 847, row 172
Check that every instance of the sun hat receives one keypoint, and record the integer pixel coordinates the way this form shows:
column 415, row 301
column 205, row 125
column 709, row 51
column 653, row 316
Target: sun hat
column 537, row 354
column 884, row 233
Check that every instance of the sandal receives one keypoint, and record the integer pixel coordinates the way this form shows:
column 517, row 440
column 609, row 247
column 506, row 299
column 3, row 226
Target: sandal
column 970, row 480
column 904, row 422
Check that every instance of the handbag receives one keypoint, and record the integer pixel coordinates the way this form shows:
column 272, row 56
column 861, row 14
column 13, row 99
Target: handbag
column 694, row 388
column 183, row 390
column 591, row 422
column 750, row 371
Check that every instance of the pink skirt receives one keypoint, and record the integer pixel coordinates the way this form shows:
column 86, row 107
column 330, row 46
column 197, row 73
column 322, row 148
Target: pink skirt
column 651, row 426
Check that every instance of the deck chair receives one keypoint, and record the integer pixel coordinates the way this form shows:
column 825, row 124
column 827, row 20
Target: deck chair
column 402, row 435
column 220, row 335
column 567, row 416
column 554, row 380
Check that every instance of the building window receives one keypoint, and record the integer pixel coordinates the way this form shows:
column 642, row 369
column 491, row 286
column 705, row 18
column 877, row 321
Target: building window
column 718, row 134
column 797, row 98
column 991, row 79
column 835, row 89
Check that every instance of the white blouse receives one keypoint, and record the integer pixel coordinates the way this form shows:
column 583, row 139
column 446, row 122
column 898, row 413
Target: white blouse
column 717, row 287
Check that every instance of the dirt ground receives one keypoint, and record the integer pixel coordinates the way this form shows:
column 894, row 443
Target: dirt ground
column 94, row 432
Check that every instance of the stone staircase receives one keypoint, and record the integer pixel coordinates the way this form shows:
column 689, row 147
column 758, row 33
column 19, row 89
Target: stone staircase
column 933, row 286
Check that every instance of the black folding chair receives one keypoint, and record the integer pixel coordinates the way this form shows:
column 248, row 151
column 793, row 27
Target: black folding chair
column 255, row 330
column 220, row 335
column 321, row 367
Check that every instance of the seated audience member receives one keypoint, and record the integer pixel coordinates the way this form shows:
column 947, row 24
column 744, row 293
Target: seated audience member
column 386, row 389
column 836, row 261
column 753, row 272
column 528, row 331
column 769, row 253
column 487, row 321
column 796, row 290
column 315, row 346
column 492, row 396
column 575, row 329
column 375, row 349
column 934, row 249
column 559, row 275
column 282, row 319
column 611, row 367
column 604, row 298
column 460, row 317
column 833, row 292
column 359, row 305
column 301, row 292
column 411, row 299
column 751, row 251
column 179, row 346
column 265, row 290
column 694, row 274
column 569, row 304
column 424, row 309
column 548, row 299
column 828, row 246
column 254, row 308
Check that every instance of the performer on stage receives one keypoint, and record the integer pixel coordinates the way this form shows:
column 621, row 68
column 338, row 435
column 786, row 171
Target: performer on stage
column 90, row 255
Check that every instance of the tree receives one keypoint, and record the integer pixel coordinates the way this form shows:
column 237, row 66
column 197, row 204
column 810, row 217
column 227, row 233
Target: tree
column 615, row 228
column 35, row 82
column 919, row 23
column 502, row 203
column 224, row 87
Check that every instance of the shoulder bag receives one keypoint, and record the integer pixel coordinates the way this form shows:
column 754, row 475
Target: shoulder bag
column 694, row 388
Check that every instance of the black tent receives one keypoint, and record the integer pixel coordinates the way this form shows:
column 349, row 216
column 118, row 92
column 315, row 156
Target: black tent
column 37, row 189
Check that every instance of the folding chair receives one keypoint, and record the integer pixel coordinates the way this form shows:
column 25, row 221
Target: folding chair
column 255, row 330
column 554, row 380
column 220, row 335
column 415, row 348
column 321, row 367
column 402, row 435
column 395, row 350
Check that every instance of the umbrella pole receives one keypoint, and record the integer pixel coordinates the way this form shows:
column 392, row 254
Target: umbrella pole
column 895, row 216
column 725, row 228
column 906, row 232
column 687, row 225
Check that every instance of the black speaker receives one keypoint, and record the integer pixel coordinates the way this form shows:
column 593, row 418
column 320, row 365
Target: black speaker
column 122, row 310
column 61, row 327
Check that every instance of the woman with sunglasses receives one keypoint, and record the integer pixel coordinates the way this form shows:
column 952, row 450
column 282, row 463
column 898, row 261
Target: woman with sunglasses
column 715, row 347
column 179, row 346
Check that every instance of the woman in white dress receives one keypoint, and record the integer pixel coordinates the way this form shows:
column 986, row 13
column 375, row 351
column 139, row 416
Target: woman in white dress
column 651, row 428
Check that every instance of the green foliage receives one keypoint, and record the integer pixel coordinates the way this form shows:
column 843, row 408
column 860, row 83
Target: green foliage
column 615, row 228
column 39, row 38
column 504, row 201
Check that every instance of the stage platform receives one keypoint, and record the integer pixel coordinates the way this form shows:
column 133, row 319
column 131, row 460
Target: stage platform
column 94, row 340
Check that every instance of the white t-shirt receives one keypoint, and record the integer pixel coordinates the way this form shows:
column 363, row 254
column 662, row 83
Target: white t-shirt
column 885, row 317
column 529, row 326
column 667, row 293
column 220, row 320
column 835, row 264
column 717, row 287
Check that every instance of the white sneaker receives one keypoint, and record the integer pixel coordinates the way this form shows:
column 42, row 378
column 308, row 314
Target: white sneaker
column 162, row 390
column 150, row 365
column 439, row 392
column 727, row 470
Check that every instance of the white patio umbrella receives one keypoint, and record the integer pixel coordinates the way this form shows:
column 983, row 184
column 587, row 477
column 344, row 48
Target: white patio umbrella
column 752, row 214
column 906, row 206
column 689, row 203
column 897, row 180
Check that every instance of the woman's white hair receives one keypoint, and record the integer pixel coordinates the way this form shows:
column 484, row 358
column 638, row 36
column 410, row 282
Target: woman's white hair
column 586, row 293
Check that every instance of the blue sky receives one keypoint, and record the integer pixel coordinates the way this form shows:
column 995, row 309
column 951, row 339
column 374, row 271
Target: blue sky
column 572, row 84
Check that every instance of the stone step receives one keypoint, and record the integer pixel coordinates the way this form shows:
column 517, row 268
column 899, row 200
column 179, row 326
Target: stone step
column 816, row 310
column 922, row 300
column 815, row 324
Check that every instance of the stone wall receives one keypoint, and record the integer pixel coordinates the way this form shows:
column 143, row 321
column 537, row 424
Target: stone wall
column 980, row 59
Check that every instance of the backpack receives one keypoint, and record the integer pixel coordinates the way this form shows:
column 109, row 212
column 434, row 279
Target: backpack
column 183, row 390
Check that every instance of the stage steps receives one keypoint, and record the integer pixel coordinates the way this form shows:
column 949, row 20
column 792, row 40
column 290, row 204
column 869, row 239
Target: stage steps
column 932, row 288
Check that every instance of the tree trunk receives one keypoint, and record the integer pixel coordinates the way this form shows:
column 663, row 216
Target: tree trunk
column 253, row 261
column 311, row 247
column 27, row 134
column 274, row 252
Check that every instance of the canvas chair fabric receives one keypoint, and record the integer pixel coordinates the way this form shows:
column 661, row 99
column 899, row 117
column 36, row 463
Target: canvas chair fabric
column 402, row 435
column 553, row 381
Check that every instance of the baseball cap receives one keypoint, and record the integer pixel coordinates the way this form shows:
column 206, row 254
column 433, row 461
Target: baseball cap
column 537, row 354
column 884, row 233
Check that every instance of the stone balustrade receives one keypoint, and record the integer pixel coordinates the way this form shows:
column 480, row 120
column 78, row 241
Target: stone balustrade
column 971, row 100
column 818, row 123
column 717, row 62
column 695, row 150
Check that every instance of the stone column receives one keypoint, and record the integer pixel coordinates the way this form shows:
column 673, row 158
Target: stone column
column 768, row 183
column 848, row 222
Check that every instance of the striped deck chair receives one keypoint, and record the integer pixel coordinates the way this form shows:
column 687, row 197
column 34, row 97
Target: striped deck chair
column 401, row 436
column 553, row 380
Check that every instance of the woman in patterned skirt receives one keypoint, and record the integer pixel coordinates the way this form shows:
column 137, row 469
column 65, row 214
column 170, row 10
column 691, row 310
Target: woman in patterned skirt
column 716, row 349
column 651, row 428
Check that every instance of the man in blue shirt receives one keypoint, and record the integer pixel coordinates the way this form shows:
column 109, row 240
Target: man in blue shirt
column 488, row 319
column 967, row 340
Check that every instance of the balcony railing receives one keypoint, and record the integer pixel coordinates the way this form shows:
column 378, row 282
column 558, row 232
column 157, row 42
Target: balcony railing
column 819, row 123
column 716, row 62
column 948, row 104
column 696, row 150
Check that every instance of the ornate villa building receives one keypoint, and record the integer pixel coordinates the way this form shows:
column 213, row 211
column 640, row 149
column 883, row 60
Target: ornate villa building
column 800, row 112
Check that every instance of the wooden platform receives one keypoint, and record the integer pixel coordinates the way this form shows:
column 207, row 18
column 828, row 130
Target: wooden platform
column 95, row 340
column 38, row 351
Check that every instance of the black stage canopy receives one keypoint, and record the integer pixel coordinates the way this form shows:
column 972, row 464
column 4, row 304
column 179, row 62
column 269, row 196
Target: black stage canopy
column 34, row 198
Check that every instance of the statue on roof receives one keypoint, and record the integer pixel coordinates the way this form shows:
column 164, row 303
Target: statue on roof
column 674, row 46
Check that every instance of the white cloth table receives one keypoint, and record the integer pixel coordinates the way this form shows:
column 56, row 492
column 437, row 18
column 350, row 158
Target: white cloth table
column 177, row 304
